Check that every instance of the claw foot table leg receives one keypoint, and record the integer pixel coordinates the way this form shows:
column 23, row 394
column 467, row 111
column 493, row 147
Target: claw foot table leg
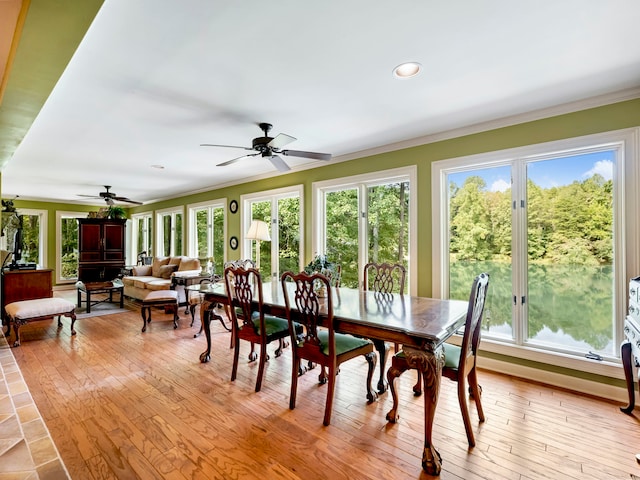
column 206, row 323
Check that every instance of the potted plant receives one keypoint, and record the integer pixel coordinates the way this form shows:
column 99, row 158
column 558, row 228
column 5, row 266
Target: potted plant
column 115, row 211
column 320, row 264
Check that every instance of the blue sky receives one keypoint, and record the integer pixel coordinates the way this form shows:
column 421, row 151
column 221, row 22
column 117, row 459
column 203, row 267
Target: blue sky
column 547, row 173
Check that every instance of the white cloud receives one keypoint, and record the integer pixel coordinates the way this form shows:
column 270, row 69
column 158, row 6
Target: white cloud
column 602, row 167
column 500, row 186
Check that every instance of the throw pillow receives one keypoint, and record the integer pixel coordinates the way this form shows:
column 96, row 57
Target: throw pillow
column 189, row 264
column 167, row 270
column 157, row 263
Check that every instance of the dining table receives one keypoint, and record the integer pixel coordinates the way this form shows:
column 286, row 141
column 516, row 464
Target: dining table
column 420, row 324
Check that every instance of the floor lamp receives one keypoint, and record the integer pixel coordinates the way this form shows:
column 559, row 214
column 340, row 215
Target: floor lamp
column 258, row 231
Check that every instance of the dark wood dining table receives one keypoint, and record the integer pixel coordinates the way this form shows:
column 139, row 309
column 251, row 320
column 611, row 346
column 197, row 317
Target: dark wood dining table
column 420, row 324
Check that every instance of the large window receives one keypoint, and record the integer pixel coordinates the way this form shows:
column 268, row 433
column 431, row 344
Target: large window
column 142, row 234
column 169, row 234
column 67, row 246
column 281, row 210
column 549, row 223
column 366, row 219
column 34, row 235
column 207, row 233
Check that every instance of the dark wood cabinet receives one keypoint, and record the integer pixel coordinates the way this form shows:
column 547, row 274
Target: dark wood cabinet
column 18, row 285
column 101, row 254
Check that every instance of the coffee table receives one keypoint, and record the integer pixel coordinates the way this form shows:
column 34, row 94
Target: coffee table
column 90, row 288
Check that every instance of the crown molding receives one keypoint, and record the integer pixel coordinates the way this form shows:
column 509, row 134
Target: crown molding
column 562, row 109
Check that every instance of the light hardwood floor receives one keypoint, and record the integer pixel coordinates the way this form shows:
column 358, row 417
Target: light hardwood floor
column 125, row 405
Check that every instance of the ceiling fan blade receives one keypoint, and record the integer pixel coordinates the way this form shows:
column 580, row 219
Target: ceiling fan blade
column 125, row 199
column 225, row 146
column 279, row 163
column 281, row 140
column 89, row 196
column 300, row 153
column 234, row 160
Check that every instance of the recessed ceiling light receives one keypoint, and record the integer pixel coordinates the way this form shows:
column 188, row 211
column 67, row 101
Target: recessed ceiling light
column 159, row 167
column 406, row 70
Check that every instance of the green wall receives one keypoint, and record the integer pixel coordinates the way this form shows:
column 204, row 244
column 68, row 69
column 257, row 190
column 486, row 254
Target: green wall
column 607, row 118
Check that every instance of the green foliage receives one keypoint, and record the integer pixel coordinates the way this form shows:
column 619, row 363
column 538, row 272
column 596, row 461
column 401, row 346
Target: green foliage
column 114, row 211
column 318, row 264
column 572, row 224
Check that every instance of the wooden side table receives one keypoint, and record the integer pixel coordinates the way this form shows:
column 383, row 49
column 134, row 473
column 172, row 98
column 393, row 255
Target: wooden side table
column 90, row 288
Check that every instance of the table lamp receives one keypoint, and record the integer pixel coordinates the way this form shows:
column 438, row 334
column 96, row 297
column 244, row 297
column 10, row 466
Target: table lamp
column 258, row 231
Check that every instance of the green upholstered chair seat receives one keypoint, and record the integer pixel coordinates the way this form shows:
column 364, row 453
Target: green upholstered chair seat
column 254, row 315
column 272, row 324
column 451, row 356
column 344, row 343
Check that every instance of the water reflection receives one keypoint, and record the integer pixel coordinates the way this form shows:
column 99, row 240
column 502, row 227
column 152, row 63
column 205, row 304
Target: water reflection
column 569, row 306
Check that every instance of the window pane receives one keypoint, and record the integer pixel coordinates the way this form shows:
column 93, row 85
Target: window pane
column 141, row 236
column 69, row 248
column 388, row 222
column 570, row 252
column 149, row 224
column 262, row 211
column 202, row 234
column 31, row 238
column 480, row 241
column 341, row 229
column 218, row 240
column 178, row 235
column 166, row 235
column 289, row 234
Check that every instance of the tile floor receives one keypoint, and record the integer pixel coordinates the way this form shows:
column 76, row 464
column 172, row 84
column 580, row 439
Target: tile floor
column 27, row 451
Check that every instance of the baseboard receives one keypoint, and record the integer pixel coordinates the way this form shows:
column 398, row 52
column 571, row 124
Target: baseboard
column 566, row 382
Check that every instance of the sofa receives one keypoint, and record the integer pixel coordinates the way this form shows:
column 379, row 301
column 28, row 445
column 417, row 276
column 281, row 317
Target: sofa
column 158, row 276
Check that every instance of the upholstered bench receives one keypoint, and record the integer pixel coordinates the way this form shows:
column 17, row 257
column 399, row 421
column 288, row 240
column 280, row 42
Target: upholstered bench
column 25, row 311
column 159, row 298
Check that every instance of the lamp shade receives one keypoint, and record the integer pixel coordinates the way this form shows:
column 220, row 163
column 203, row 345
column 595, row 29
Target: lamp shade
column 258, row 230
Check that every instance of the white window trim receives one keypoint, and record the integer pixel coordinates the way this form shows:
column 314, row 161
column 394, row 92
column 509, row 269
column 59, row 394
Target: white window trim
column 269, row 195
column 318, row 234
column 44, row 229
column 159, row 228
column 627, row 200
column 133, row 222
column 59, row 216
column 192, row 224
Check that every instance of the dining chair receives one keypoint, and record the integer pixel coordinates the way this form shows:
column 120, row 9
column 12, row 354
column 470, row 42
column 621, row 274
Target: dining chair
column 460, row 361
column 384, row 279
column 319, row 343
column 249, row 321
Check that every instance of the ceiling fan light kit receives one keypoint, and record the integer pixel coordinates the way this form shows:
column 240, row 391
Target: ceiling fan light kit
column 270, row 148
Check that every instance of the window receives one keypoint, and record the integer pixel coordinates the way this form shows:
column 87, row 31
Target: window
column 549, row 223
column 34, row 235
column 67, row 246
column 169, row 235
column 282, row 210
column 364, row 219
column 207, row 233
column 142, row 234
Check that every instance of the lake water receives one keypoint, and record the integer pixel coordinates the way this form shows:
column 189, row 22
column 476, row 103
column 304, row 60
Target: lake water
column 568, row 306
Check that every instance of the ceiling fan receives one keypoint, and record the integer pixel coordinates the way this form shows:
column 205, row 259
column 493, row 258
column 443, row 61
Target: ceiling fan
column 270, row 148
column 111, row 197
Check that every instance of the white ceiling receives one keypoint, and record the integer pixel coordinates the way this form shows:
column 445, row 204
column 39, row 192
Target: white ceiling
column 153, row 79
